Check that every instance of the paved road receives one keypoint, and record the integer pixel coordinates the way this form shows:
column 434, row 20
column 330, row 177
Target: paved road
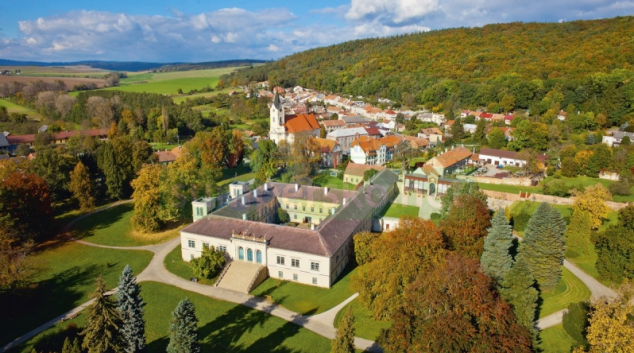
column 156, row 272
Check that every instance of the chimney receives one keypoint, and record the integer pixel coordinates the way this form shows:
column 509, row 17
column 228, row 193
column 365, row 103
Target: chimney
column 243, row 201
column 255, row 193
column 344, row 200
column 266, row 187
column 244, row 216
column 325, row 190
column 296, row 187
column 312, row 226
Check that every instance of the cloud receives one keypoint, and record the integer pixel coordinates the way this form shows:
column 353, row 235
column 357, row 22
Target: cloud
column 273, row 47
column 331, row 10
column 393, row 13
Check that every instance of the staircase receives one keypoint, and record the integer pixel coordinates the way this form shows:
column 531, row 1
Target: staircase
column 242, row 276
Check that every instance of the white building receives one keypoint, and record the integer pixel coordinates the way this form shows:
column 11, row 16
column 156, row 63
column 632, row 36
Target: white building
column 617, row 137
column 285, row 127
column 345, row 136
column 500, row 157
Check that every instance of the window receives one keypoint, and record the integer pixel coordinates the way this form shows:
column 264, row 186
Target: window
column 295, row 216
column 280, row 274
column 321, row 210
column 294, row 277
column 205, row 245
column 295, row 262
column 191, row 256
column 312, row 209
column 294, row 207
column 314, row 280
column 222, row 248
column 280, row 260
column 314, row 266
column 191, row 243
column 287, row 206
column 240, row 253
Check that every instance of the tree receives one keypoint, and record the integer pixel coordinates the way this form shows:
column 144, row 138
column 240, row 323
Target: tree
column 130, row 307
column 184, row 329
column 43, row 140
column 615, row 248
column 368, row 174
column 592, row 201
column 416, row 246
column 82, row 187
column 497, row 139
column 73, row 347
column 496, row 259
column 16, row 264
column 112, row 170
column 531, row 165
column 282, row 216
column 479, row 136
column 101, row 333
column 322, row 131
column 236, row 149
column 466, row 225
column 578, row 234
column 575, row 322
column 454, row 308
column 146, row 195
column 611, row 326
column 569, row 167
column 54, row 167
column 518, row 288
column 543, row 246
column 625, row 141
column 457, row 130
column 208, row 264
column 344, row 338
column 142, row 153
column 458, row 189
column 362, row 247
column 24, row 150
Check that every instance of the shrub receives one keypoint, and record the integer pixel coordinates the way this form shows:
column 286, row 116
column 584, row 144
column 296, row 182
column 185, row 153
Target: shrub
column 208, row 264
column 575, row 322
column 556, row 187
column 621, row 187
column 54, row 341
column 282, row 216
column 520, row 220
column 435, row 217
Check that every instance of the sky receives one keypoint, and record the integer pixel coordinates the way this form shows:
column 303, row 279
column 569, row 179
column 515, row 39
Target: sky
column 210, row 30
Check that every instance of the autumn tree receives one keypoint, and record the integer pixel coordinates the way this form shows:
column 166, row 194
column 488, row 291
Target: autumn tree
column 397, row 258
column 17, row 267
column 496, row 258
column 362, row 247
column 236, row 149
column 466, row 225
column 322, row 131
column 578, row 234
column 543, row 246
column 54, row 167
column 592, row 201
column 344, row 338
column 82, row 187
column 146, row 195
column 458, row 189
column 611, row 326
column 101, row 333
column 454, row 308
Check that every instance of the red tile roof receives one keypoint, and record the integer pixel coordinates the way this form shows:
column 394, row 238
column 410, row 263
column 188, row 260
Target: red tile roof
column 301, row 123
column 18, row 139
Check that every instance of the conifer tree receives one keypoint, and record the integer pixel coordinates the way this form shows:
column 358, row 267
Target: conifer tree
column 184, row 329
column 130, row 307
column 518, row 289
column 578, row 233
column 101, row 333
column 496, row 259
column 71, row 347
column 344, row 340
column 543, row 246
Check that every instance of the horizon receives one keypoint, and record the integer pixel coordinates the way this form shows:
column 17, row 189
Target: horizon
column 193, row 32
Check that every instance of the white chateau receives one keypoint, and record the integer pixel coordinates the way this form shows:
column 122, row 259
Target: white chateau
column 285, row 127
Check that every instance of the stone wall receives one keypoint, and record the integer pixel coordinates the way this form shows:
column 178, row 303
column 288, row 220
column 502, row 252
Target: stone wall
column 504, row 196
column 497, row 181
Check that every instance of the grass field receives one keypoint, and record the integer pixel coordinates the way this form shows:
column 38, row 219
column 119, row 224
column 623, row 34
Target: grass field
column 511, row 189
column 175, row 264
column 66, row 278
column 396, row 210
column 170, row 82
column 240, row 173
column 556, row 340
column 112, row 227
column 222, row 326
column 325, row 180
column 306, row 299
column 14, row 108
column 531, row 206
column 180, row 99
column 569, row 290
column 365, row 326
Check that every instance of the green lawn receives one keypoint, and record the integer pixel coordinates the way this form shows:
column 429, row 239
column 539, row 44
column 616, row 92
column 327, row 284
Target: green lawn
column 112, row 227
column 162, row 146
column 365, row 326
column 531, row 206
column 396, row 210
column 556, row 340
column 175, row 264
column 180, row 99
column 306, row 299
column 15, row 108
column 66, row 277
column 222, row 326
column 569, row 290
column 325, row 180
column 240, row 173
column 511, row 189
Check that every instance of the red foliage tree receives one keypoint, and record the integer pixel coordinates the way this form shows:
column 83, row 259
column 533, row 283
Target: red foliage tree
column 466, row 226
column 455, row 308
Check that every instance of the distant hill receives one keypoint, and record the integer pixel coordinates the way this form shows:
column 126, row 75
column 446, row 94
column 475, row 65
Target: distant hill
column 134, row 65
column 475, row 67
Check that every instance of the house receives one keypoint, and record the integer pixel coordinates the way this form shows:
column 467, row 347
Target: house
column 345, row 136
column 167, row 157
column 486, row 116
column 416, row 143
column 450, row 161
column 562, row 115
column 285, row 127
column 426, row 181
column 354, row 172
column 60, row 137
column 332, row 125
column 617, row 137
column 316, row 254
column 433, row 134
column 354, row 120
column 330, row 151
column 432, row 118
column 492, row 156
column 464, row 114
column 366, row 150
column 508, row 119
column 470, row 128
column 448, row 125
column 373, row 132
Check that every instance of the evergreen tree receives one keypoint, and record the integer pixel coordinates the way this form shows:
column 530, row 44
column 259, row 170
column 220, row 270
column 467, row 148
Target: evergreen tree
column 344, row 340
column 544, row 245
column 71, row 347
column 496, row 259
column 578, row 233
column 518, row 289
column 184, row 329
column 102, row 323
column 130, row 307
column 590, row 140
column 108, row 164
column 479, row 136
column 457, row 130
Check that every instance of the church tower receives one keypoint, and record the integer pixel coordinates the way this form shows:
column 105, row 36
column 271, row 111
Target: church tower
column 277, row 130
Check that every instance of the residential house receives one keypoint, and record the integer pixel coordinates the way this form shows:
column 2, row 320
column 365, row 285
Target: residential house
column 59, row 138
column 508, row 119
column 492, row 156
column 432, row 118
column 332, row 125
column 450, row 161
column 562, row 115
column 617, row 137
column 354, row 172
column 345, row 136
column 354, row 120
column 432, row 134
column 416, row 143
column 373, row 132
column 331, row 152
column 366, row 150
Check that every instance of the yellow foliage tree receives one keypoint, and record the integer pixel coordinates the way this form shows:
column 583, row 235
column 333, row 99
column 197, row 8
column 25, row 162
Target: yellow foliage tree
column 582, row 158
column 611, row 328
column 147, row 212
column 592, row 200
column 82, row 188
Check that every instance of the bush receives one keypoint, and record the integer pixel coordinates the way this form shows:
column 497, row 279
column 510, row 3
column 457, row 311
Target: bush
column 520, row 221
column 622, row 187
column 54, row 341
column 282, row 216
column 575, row 322
column 556, row 187
column 435, row 217
column 208, row 264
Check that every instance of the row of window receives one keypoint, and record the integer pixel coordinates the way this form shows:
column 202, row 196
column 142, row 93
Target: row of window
column 312, row 209
column 281, row 260
column 280, row 274
column 192, row 244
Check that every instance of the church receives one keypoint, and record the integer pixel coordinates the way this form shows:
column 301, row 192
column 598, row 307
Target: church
column 285, row 127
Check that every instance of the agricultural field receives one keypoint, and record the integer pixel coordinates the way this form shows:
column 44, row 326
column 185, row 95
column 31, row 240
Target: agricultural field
column 70, row 81
column 14, row 108
column 57, row 71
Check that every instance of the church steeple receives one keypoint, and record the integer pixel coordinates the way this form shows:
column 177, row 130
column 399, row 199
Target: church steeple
column 276, row 101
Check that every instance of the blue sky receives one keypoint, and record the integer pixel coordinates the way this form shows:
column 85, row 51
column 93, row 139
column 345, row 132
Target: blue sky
column 203, row 30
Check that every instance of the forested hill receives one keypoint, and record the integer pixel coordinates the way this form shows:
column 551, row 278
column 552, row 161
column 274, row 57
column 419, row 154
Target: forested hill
column 502, row 55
